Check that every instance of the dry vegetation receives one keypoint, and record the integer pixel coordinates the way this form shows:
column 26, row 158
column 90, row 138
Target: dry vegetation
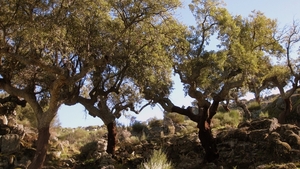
column 77, row 145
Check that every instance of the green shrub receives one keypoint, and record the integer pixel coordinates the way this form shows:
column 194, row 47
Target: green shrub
column 190, row 127
column 253, row 106
column 154, row 122
column 216, row 123
column 264, row 114
column 231, row 118
column 176, row 118
column 95, row 135
column 88, row 149
column 158, row 160
column 138, row 127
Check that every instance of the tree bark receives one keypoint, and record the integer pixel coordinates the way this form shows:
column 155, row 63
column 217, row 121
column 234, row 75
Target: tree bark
column 111, row 140
column 187, row 112
column 41, row 150
column 247, row 113
column 287, row 110
column 257, row 99
column 205, row 134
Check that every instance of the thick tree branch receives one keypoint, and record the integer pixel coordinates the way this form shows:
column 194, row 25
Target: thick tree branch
column 14, row 99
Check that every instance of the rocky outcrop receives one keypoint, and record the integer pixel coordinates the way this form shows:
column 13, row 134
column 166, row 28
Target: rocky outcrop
column 256, row 144
column 14, row 153
column 259, row 142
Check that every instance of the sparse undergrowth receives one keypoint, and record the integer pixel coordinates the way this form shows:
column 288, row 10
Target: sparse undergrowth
column 141, row 143
column 158, row 160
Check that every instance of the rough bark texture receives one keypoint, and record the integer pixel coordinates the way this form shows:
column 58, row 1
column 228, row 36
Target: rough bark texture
column 226, row 108
column 287, row 110
column 247, row 113
column 257, row 99
column 111, row 140
column 205, row 134
column 41, row 149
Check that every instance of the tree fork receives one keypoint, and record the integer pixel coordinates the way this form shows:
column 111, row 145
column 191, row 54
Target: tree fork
column 205, row 134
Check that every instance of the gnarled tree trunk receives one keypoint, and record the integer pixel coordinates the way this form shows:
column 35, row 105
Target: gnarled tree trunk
column 111, row 140
column 247, row 113
column 203, row 119
column 41, row 149
column 287, row 110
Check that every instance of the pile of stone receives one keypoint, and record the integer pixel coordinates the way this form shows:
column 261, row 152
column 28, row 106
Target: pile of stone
column 11, row 135
column 259, row 142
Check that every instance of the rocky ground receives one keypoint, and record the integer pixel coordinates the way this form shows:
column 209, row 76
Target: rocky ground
column 261, row 143
column 257, row 144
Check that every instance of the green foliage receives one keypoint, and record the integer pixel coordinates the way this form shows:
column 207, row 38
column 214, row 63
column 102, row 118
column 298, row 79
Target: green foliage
column 176, row 118
column 77, row 135
column 271, row 109
column 154, row 122
column 77, row 138
column 138, row 127
column 158, row 160
column 87, row 149
column 231, row 118
column 264, row 115
column 253, row 106
column 189, row 127
column 26, row 116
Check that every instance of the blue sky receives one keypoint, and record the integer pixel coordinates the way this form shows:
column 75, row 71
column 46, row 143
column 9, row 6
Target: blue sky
column 284, row 11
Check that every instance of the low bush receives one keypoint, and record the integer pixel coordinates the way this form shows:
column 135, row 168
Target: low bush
column 176, row 118
column 138, row 127
column 253, row 106
column 158, row 160
column 231, row 118
column 154, row 122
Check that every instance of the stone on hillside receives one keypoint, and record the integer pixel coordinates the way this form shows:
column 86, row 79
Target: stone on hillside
column 273, row 136
column 54, row 155
column 169, row 128
column 101, row 145
column 3, row 120
column 258, row 135
column 94, row 148
column 292, row 138
column 108, row 167
column 124, row 135
column 278, row 166
column 68, row 162
column 18, row 129
column 12, row 121
column 23, row 162
column 285, row 127
column 239, row 134
column 156, row 132
column 4, row 130
column 60, row 146
column 10, row 143
column 274, row 125
column 270, row 124
column 281, row 150
column 179, row 127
